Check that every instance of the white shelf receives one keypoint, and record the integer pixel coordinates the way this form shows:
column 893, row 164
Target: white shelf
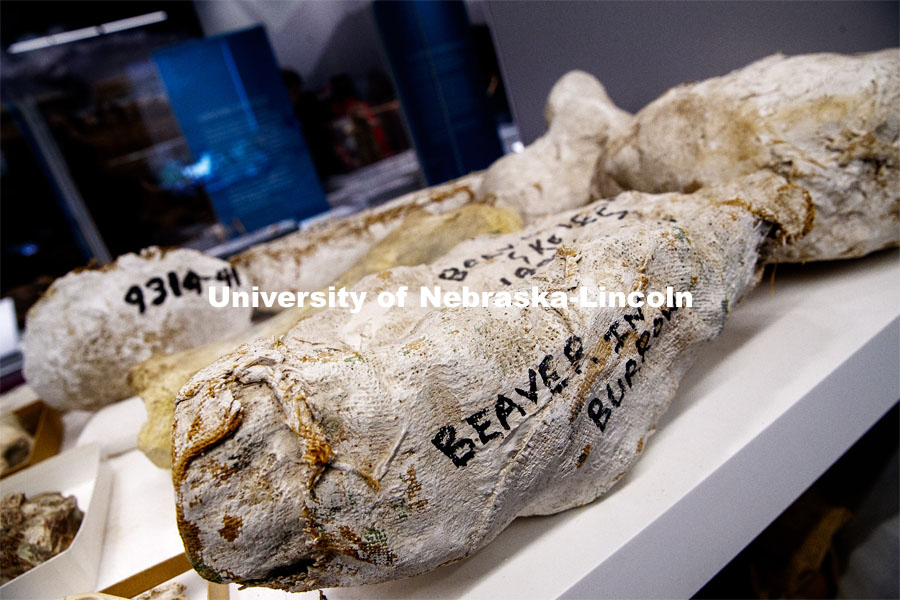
column 794, row 380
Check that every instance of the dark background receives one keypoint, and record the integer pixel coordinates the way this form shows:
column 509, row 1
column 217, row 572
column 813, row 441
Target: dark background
column 638, row 50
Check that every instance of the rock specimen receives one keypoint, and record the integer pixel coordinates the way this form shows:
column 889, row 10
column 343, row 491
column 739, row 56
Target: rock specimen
column 826, row 122
column 35, row 530
column 93, row 325
column 419, row 239
column 363, row 447
column 554, row 173
column 166, row 591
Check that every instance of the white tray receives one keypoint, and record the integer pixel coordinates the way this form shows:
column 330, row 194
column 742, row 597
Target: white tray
column 79, row 472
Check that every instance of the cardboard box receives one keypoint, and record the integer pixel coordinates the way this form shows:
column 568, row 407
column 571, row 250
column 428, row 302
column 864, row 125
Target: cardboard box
column 79, row 472
column 44, row 424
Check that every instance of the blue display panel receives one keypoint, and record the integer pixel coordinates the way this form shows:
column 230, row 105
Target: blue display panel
column 234, row 111
column 433, row 60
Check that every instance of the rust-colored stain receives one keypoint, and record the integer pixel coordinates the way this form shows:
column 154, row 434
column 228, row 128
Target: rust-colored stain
column 880, row 157
column 594, row 363
column 371, row 548
column 324, row 356
column 766, row 213
column 317, row 450
column 413, row 487
column 196, row 426
column 583, row 457
column 414, row 345
column 810, row 219
column 737, row 133
column 640, row 446
column 93, row 265
column 231, row 527
column 200, row 441
column 220, row 473
column 640, row 283
column 190, row 535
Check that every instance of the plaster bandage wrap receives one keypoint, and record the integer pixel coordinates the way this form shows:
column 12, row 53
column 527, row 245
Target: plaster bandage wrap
column 364, row 447
column 826, row 122
column 92, row 326
column 312, row 258
column 554, row 173
column 421, row 238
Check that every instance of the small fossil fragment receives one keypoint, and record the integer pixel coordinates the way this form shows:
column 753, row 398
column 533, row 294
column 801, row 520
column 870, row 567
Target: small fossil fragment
column 35, row 530
column 166, row 591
